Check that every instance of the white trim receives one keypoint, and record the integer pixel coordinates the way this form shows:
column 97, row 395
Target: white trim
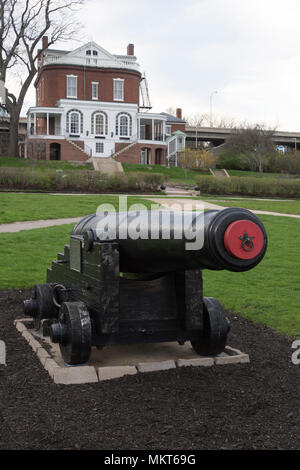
column 65, row 103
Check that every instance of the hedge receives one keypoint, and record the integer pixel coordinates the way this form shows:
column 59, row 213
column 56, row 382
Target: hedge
column 269, row 187
column 87, row 181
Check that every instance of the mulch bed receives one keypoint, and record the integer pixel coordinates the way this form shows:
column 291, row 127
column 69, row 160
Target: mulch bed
column 241, row 406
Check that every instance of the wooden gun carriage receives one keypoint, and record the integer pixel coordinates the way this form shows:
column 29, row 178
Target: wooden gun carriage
column 105, row 290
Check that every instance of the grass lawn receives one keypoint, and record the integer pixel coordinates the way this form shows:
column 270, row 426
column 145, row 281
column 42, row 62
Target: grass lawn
column 41, row 164
column 275, row 205
column 258, row 174
column 180, row 175
column 16, row 207
column 175, row 175
column 26, row 255
column 270, row 293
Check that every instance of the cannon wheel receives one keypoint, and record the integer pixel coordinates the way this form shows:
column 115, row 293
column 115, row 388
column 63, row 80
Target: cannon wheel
column 215, row 329
column 46, row 307
column 75, row 346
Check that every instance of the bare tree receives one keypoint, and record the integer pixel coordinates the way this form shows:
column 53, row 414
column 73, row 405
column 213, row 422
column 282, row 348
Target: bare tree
column 253, row 144
column 203, row 120
column 23, row 23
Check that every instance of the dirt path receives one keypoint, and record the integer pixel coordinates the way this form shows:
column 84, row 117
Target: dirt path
column 186, row 205
column 29, row 225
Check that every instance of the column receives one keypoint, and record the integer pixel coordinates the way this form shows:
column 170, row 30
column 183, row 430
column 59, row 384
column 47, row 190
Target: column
column 34, row 125
column 152, row 129
column 28, row 123
column 47, row 123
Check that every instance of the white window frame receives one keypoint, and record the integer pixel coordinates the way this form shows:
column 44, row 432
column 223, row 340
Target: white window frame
column 76, row 131
column 118, row 93
column 101, row 145
column 95, row 87
column 123, row 127
column 168, row 130
column 101, row 116
column 69, row 95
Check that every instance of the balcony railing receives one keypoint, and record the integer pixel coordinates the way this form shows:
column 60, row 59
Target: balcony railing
column 42, row 130
column 79, row 60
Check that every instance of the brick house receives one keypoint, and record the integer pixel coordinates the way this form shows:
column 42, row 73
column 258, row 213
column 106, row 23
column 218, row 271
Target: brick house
column 88, row 104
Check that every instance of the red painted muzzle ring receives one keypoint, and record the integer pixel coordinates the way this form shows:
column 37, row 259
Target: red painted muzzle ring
column 243, row 239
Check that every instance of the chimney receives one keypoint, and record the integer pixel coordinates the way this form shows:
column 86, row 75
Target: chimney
column 45, row 42
column 179, row 113
column 130, row 49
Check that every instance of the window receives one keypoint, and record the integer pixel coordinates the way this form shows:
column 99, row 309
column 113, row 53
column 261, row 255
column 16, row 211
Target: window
column 88, row 61
column 99, row 123
column 95, row 61
column 94, row 90
column 95, row 53
column 123, row 125
column 168, row 130
column 71, row 86
column 75, row 121
column 146, row 156
column 88, row 52
column 99, row 147
column 118, row 89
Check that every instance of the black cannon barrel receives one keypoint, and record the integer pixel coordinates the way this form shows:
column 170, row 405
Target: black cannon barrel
column 233, row 239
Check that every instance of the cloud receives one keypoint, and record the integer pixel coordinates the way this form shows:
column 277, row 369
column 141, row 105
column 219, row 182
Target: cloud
column 248, row 51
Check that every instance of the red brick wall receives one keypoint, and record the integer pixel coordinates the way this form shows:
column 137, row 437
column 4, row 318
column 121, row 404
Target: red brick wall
column 178, row 127
column 133, row 155
column 55, row 84
column 67, row 150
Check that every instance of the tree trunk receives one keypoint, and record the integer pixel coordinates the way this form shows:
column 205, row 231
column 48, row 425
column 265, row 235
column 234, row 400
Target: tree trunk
column 14, row 135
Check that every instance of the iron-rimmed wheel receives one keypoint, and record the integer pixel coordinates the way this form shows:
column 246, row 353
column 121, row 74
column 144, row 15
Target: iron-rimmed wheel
column 73, row 333
column 41, row 306
column 215, row 329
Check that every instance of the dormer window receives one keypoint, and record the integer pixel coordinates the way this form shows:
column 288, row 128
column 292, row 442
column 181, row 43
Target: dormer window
column 88, row 52
column 95, row 52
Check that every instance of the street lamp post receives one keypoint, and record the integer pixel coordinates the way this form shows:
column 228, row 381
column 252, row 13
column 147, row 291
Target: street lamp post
column 210, row 100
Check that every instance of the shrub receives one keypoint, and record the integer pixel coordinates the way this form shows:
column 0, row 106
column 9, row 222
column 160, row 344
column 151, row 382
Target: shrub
column 84, row 181
column 270, row 187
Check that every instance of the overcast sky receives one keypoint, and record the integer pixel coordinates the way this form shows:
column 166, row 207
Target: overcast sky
column 247, row 51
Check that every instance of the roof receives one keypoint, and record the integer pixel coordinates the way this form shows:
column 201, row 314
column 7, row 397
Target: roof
column 58, row 51
column 178, row 133
column 174, row 119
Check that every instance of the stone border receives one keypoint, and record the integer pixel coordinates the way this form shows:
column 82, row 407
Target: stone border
column 70, row 375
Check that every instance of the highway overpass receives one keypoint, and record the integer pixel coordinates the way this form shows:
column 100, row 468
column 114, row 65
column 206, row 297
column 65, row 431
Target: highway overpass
column 217, row 136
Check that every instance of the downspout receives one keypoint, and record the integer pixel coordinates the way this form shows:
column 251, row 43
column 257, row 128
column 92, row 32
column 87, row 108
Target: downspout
column 84, row 82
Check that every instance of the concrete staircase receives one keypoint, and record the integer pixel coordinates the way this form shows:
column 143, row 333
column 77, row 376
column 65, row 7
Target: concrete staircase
column 106, row 165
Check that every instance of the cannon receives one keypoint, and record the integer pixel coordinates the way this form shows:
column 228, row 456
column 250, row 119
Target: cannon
column 108, row 288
